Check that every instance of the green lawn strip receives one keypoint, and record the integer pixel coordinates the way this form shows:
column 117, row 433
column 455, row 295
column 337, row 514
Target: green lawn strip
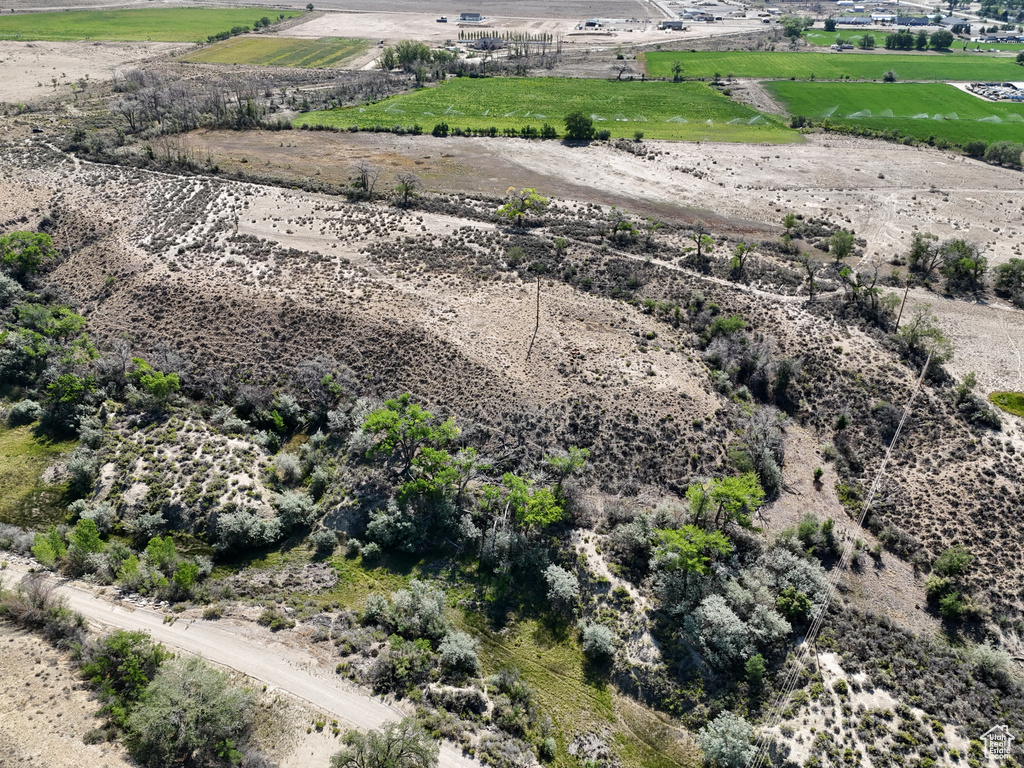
column 920, row 110
column 280, row 51
column 551, row 660
column 172, row 25
column 1011, row 402
column 825, row 39
column 24, row 499
column 683, row 111
column 834, row 66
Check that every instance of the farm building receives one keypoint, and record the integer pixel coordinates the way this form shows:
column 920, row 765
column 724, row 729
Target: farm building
column 470, row 17
column 853, row 20
column 883, row 18
column 593, row 23
column 672, row 24
column 913, row 21
column 488, row 44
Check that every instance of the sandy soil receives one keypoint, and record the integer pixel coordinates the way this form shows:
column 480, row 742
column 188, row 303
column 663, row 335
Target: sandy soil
column 45, row 710
column 282, row 663
column 398, row 24
column 27, row 70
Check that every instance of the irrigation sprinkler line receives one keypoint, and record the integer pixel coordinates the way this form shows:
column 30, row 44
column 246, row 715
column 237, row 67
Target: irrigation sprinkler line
column 764, row 740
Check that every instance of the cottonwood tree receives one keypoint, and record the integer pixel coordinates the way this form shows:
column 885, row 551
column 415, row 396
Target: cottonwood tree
column 716, row 503
column 702, row 245
column 840, row 245
column 408, row 184
column 578, row 127
column 366, row 179
column 565, row 464
column 518, row 204
column 1009, row 280
column 394, row 745
column 739, row 259
column 920, row 335
column 924, row 256
column 963, row 266
column 403, row 428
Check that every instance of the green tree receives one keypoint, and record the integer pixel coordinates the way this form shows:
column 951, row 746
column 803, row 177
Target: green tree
column 578, row 127
column 867, row 42
column 830, row 25
column 729, row 499
column 689, row 549
column 49, row 547
column 920, row 335
column 703, row 242
column 793, row 604
column 565, row 465
column 394, row 745
column 70, row 389
column 519, row 204
column 403, row 427
column 189, row 715
column 793, row 26
column 532, row 507
column 83, row 540
column 921, row 42
column 186, row 576
column 388, row 60
column 1006, row 153
column 121, row 665
column 1010, row 279
column 789, row 222
column 23, row 253
column 924, row 255
column 161, row 553
column 840, row 245
column 739, row 259
column 755, row 668
column 963, row 266
column 941, row 39
column 1020, row 58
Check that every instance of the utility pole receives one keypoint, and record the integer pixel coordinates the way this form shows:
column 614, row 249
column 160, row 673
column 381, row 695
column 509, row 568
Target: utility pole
column 536, row 324
column 902, row 303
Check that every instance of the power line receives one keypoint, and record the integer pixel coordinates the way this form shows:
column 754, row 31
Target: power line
column 764, row 740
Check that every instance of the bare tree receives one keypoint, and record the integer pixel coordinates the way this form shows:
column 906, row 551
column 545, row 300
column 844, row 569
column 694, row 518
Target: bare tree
column 408, row 184
column 366, row 179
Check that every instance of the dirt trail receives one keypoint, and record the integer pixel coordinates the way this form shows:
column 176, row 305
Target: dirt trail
column 251, row 652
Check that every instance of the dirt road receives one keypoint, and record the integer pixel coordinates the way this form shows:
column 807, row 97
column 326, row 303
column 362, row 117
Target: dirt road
column 266, row 659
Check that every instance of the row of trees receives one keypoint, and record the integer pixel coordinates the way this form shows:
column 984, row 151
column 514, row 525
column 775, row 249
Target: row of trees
column 905, row 40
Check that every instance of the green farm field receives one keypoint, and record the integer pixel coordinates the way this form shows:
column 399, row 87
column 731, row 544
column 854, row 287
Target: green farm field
column 681, row 111
column 919, row 110
column 169, row 25
column 834, row 66
column 280, row 51
column 825, row 39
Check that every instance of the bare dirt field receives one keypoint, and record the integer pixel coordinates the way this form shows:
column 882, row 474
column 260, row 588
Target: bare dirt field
column 395, row 25
column 45, row 710
column 28, row 70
